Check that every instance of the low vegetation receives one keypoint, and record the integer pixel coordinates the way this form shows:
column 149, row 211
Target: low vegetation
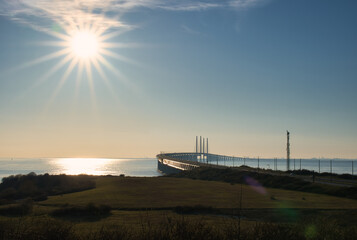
column 193, row 209
column 233, row 176
column 179, row 228
column 90, row 210
column 19, row 209
column 38, row 187
column 180, row 207
column 141, row 193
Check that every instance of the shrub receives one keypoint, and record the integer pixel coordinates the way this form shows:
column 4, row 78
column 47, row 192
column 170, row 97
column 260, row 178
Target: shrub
column 89, row 210
column 193, row 209
column 38, row 187
column 36, row 229
column 21, row 209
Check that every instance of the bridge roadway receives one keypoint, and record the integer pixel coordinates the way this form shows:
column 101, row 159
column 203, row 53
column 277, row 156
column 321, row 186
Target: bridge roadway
column 193, row 159
column 176, row 162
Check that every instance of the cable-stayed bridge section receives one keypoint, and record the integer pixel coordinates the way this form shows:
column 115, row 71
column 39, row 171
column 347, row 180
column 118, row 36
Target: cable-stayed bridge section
column 181, row 161
column 176, row 162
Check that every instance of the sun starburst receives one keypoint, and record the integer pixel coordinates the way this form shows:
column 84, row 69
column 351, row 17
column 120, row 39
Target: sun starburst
column 84, row 44
column 86, row 48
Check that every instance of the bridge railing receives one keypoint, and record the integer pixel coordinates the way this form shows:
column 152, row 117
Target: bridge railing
column 317, row 165
column 178, row 164
column 207, row 158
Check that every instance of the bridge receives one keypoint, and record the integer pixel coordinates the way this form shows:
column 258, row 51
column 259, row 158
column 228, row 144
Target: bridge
column 180, row 161
column 176, row 162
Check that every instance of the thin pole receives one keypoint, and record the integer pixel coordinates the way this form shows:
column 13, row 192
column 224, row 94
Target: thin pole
column 207, row 145
column 200, row 144
column 203, row 149
column 319, row 165
column 196, row 144
column 200, row 148
column 258, row 162
column 206, row 150
column 287, row 151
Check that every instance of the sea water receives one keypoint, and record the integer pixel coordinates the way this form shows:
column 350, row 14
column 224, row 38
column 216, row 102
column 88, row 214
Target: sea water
column 143, row 167
column 147, row 167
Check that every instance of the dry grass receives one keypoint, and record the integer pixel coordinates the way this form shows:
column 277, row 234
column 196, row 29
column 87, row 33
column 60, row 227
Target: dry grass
column 172, row 228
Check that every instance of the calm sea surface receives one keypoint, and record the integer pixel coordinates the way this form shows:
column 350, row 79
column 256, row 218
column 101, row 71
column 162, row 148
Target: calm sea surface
column 148, row 166
column 73, row 166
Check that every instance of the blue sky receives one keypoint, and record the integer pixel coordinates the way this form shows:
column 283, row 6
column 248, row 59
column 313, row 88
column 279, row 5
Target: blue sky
column 238, row 72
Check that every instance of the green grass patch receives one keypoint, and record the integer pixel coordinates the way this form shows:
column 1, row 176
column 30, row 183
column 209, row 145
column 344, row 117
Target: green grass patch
column 234, row 176
column 164, row 192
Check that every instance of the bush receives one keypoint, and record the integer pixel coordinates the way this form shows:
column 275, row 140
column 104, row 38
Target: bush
column 38, row 187
column 193, row 209
column 21, row 209
column 36, row 229
column 89, row 210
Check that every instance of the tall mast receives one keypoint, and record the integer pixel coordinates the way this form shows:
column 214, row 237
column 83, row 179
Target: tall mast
column 207, row 145
column 287, row 151
column 200, row 144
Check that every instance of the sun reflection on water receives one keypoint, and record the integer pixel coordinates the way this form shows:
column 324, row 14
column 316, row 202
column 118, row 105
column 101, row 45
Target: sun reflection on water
column 90, row 166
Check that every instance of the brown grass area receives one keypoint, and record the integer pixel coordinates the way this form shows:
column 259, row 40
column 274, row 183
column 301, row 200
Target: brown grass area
column 135, row 219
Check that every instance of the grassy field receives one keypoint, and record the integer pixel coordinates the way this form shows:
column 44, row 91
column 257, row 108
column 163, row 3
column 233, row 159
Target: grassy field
column 140, row 203
column 147, row 193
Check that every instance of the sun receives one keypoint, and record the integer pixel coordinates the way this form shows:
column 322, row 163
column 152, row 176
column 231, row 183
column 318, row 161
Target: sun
column 84, row 44
column 85, row 48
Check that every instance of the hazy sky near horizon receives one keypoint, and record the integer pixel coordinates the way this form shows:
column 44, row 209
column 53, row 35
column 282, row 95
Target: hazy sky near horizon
column 240, row 72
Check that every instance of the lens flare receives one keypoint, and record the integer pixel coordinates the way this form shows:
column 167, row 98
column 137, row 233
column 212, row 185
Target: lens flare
column 255, row 185
column 287, row 211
